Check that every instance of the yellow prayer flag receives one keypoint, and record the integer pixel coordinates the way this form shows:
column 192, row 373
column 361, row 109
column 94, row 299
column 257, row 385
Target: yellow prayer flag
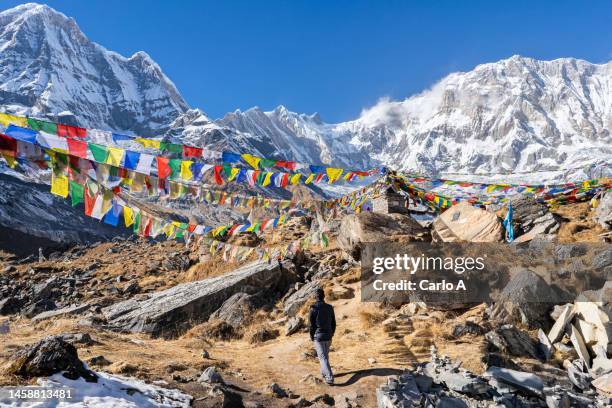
column 7, row 119
column 295, row 178
column 233, row 173
column 333, row 174
column 128, row 216
column 267, row 179
column 107, row 202
column 149, row 143
column 59, row 185
column 310, row 178
column 115, row 156
column 186, row 173
column 253, row 161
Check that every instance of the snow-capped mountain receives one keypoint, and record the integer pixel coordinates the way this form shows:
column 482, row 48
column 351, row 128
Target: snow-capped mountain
column 515, row 115
column 48, row 67
column 518, row 114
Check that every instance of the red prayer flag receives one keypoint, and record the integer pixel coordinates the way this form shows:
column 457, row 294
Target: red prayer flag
column 89, row 202
column 285, row 180
column 189, row 151
column 77, row 148
column 286, row 164
column 163, row 169
column 71, row 131
column 218, row 179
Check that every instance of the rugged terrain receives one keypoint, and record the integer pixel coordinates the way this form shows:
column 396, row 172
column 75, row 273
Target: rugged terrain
column 257, row 338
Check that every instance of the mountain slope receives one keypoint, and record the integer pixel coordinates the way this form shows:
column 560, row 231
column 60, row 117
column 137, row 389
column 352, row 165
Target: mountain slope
column 517, row 114
column 48, row 67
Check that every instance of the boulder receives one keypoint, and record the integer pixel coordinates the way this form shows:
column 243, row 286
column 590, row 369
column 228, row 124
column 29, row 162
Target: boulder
column 467, row 328
column 603, row 212
column 357, row 229
column 521, row 380
column 293, row 325
column 170, row 312
column 235, row 310
column 210, row 376
column 532, row 218
column 300, row 297
column 526, row 299
column 510, row 340
column 464, row 222
column 277, row 391
column 49, row 356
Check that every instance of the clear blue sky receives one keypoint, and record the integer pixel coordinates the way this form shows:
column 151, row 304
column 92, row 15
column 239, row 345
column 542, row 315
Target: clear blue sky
column 333, row 57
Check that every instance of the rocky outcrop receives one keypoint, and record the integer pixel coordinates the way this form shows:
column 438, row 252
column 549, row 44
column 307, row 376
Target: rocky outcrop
column 170, row 312
column 368, row 227
column 464, row 222
column 51, row 221
column 49, row 356
column 531, row 218
column 526, row 299
column 236, row 310
column 603, row 212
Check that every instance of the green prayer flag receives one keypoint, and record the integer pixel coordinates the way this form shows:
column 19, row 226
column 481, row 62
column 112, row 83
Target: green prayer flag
column 175, row 166
column 77, row 193
column 42, row 126
column 137, row 222
column 267, row 163
column 99, row 152
column 227, row 168
column 171, row 147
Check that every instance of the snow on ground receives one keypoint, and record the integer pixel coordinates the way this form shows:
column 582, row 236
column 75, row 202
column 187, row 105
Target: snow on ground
column 111, row 391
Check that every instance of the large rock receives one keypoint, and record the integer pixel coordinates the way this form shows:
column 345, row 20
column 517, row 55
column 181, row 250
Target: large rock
column 509, row 339
column 464, row 222
column 357, row 229
column 172, row 311
column 49, row 356
column 236, row 310
column 603, row 212
column 299, row 298
column 526, row 299
column 532, row 218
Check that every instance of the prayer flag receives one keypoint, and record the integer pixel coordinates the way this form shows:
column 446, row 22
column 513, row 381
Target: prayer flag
column 59, row 185
column 98, row 152
column 7, row 119
column 115, row 156
column 77, row 193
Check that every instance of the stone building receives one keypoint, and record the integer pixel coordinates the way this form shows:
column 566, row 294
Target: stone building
column 390, row 203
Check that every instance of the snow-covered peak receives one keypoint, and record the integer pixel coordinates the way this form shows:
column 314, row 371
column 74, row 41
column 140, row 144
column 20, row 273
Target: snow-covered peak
column 47, row 66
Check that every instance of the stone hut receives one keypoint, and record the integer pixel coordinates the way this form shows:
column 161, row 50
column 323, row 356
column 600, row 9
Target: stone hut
column 390, row 202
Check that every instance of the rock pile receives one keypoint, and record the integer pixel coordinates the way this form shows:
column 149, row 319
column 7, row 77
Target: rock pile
column 586, row 325
column 443, row 383
column 532, row 218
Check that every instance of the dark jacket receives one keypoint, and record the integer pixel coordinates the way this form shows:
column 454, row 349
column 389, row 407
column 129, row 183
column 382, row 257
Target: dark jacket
column 322, row 321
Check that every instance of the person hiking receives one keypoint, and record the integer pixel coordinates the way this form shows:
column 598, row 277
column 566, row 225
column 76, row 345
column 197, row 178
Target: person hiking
column 322, row 329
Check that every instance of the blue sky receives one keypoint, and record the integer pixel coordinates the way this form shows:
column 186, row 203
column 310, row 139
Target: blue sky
column 333, row 57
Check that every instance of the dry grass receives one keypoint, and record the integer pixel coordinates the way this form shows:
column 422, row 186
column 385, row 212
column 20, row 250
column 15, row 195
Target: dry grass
column 261, row 334
column 372, row 315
